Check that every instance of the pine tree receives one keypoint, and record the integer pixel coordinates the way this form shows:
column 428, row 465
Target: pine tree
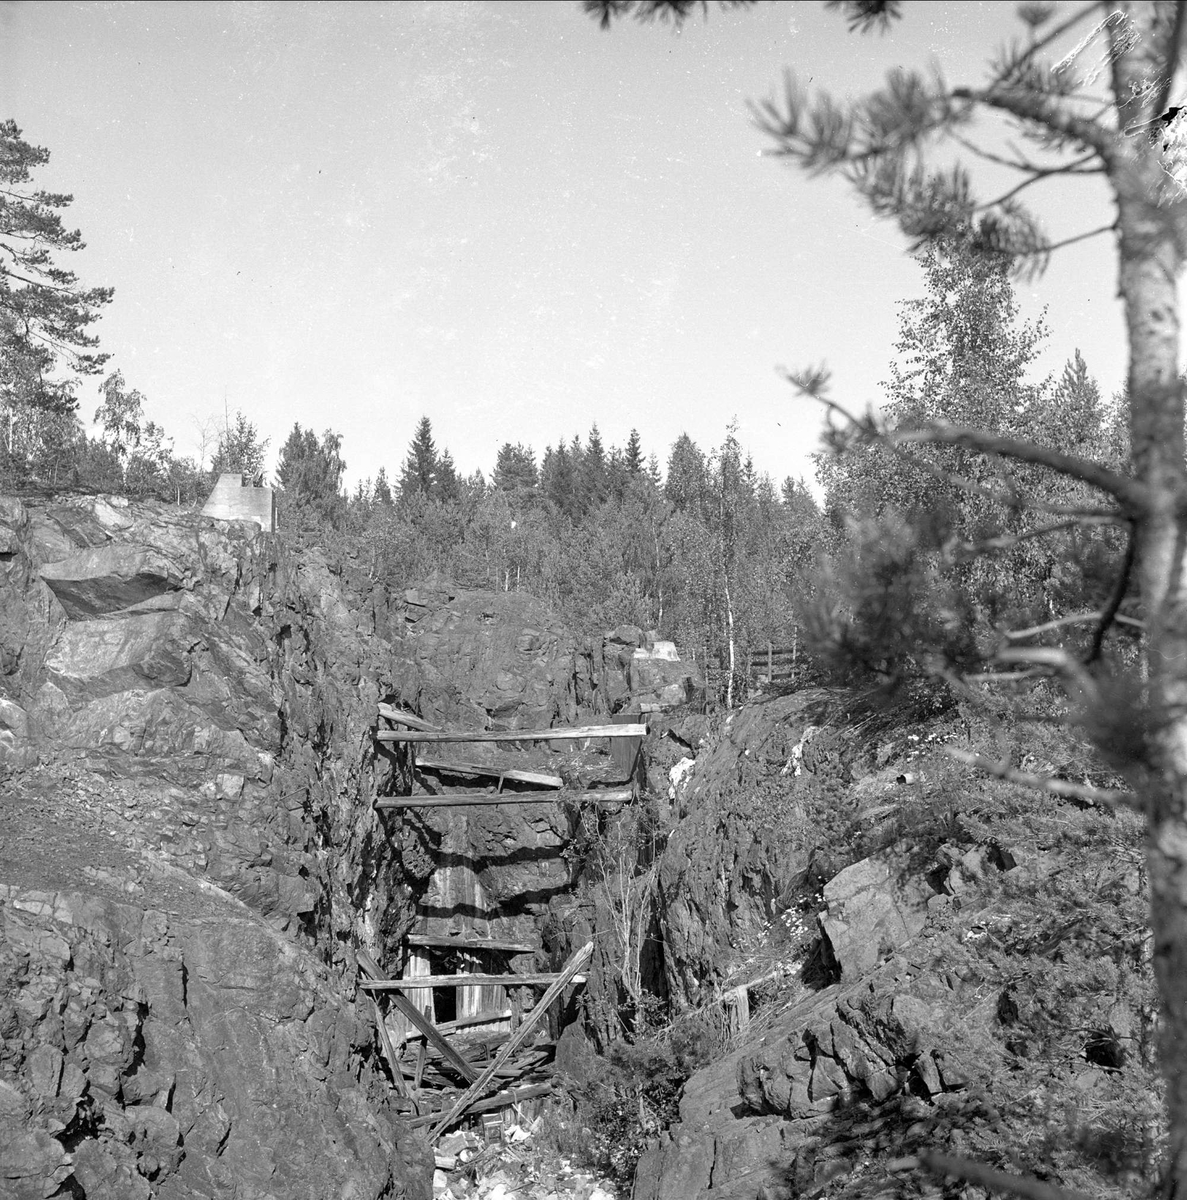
column 309, row 472
column 44, row 312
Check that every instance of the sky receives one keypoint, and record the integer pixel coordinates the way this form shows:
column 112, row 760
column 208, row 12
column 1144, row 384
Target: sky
column 495, row 214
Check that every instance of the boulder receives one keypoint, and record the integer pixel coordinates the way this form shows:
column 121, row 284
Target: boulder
column 869, row 914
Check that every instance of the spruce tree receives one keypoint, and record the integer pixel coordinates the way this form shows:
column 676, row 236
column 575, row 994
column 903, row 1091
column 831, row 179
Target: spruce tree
column 419, row 476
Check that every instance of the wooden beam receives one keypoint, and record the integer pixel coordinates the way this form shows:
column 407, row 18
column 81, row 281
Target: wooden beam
column 468, row 943
column 494, row 771
column 474, row 1091
column 388, row 713
column 368, row 964
column 471, row 799
column 576, row 733
column 416, row 982
column 499, row 1100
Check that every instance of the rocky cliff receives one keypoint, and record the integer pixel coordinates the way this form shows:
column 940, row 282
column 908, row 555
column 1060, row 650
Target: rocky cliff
column 940, row 962
column 191, row 854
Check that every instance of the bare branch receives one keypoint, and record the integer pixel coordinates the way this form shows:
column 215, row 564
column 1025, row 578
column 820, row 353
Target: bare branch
column 1007, row 541
column 1133, row 495
column 995, row 1181
column 1060, row 661
column 1076, row 619
column 1099, row 797
column 1130, row 493
column 1005, row 676
column 1111, row 608
column 1082, row 237
column 1038, row 174
column 1039, row 110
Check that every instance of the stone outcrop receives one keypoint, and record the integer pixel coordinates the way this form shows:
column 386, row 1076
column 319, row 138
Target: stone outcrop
column 726, row 861
column 856, row 1067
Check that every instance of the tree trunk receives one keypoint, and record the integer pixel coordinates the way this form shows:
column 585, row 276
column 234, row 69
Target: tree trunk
column 1151, row 257
column 729, row 621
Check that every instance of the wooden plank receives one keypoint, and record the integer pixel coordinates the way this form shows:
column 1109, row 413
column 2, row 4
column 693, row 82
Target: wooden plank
column 436, row 981
column 388, row 713
column 512, row 735
column 474, row 1091
column 499, row 1100
column 468, row 943
column 495, row 771
column 474, row 799
column 413, row 1014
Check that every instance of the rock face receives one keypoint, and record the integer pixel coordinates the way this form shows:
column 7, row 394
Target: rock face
column 926, row 955
column 191, row 851
column 190, row 854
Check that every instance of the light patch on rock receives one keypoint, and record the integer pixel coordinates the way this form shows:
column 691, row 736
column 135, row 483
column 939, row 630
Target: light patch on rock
column 795, row 764
column 679, row 776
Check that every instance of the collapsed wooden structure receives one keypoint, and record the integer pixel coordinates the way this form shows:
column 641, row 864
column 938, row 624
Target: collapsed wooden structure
column 487, row 1050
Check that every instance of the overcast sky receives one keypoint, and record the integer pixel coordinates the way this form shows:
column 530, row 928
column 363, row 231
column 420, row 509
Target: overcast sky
column 495, row 214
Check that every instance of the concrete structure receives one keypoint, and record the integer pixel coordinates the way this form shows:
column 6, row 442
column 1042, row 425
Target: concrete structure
column 235, row 499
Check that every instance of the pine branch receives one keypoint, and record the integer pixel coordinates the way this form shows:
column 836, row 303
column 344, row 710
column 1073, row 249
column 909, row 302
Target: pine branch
column 1098, row 797
column 1038, row 174
column 1008, row 541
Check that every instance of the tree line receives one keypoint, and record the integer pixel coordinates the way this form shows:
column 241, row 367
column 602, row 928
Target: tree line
column 910, row 560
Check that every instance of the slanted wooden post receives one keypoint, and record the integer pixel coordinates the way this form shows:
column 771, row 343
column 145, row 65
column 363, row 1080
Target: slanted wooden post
column 475, row 1090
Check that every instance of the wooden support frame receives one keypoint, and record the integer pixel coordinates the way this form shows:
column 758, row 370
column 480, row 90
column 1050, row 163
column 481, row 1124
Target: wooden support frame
column 567, row 975
column 499, row 1100
column 474, row 799
column 574, row 734
column 439, row 981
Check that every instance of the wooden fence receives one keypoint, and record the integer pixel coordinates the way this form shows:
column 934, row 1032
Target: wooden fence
column 761, row 667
